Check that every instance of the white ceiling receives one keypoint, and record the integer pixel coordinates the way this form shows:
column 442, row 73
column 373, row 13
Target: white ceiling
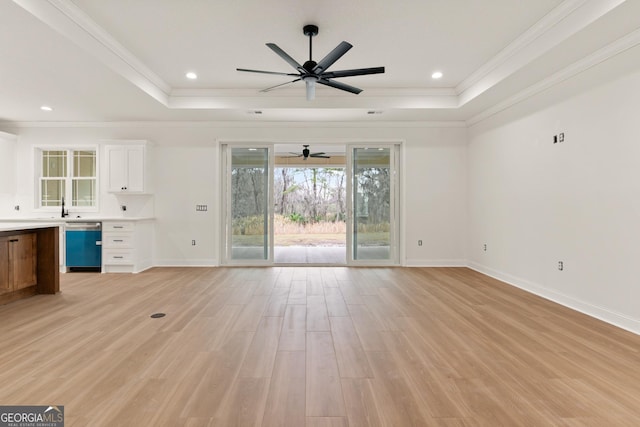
column 125, row 60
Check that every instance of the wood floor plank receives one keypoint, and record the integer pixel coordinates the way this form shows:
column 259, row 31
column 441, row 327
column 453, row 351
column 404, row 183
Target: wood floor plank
column 298, row 293
column 317, row 316
column 245, row 403
column 251, row 313
column 393, row 384
column 368, row 331
column 381, row 346
column 286, row 402
column 323, row 391
column 294, row 329
column 260, row 358
column 327, row 422
column 336, row 306
column 210, row 390
column 352, row 361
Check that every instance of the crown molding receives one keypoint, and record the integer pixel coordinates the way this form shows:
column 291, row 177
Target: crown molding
column 69, row 20
column 570, row 17
column 520, row 43
column 6, row 136
column 236, row 124
column 622, row 44
column 405, row 98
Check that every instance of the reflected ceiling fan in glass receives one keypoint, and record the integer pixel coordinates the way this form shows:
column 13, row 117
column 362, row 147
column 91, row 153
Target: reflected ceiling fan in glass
column 306, row 153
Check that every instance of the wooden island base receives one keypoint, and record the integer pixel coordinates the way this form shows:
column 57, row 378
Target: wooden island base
column 29, row 262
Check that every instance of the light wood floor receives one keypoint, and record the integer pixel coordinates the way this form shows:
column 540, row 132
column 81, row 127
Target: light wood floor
column 296, row 346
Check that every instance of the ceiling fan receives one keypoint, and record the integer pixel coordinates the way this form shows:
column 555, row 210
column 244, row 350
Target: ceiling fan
column 306, row 153
column 316, row 72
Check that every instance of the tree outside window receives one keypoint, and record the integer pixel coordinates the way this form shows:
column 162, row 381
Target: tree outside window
column 68, row 174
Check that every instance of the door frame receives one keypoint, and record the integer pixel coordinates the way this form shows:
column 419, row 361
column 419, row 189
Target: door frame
column 394, row 204
column 226, row 150
column 397, row 201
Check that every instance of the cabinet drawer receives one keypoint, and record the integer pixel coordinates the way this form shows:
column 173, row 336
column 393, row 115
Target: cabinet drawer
column 117, row 226
column 118, row 256
column 110, row 240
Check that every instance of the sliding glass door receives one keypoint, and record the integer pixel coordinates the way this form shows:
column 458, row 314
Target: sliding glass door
column 248, row 207
column 373, row 210
column 372, row 204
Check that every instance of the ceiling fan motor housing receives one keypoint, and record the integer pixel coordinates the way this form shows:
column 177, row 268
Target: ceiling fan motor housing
column 310, row 30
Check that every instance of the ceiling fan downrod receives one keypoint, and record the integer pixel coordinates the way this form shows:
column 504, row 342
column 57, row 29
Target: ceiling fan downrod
column 311, row 31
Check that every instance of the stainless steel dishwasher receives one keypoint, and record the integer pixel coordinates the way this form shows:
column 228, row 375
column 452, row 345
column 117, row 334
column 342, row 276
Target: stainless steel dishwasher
column 83, row 243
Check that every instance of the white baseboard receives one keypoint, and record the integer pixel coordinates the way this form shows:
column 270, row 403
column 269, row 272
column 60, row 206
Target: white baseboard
column 187, row 263
column 435, row 263
column 601, row 313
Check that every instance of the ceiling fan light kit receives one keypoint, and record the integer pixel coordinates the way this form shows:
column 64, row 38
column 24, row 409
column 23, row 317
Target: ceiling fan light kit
column 316, row 72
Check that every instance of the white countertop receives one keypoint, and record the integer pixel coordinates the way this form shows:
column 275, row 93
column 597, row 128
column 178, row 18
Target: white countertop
column 74, row 219
column 16, row 226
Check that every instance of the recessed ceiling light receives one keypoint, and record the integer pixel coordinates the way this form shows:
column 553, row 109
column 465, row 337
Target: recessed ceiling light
column 191, row 75
column 46, row 108
column 436, row 75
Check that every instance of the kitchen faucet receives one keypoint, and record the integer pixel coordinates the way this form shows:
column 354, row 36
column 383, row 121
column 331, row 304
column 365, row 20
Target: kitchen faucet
column 64, row 213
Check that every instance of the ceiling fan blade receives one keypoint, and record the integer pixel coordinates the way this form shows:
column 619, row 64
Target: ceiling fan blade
column 340, row 86
column 354, row 72
column 266, row 72
column 319, row 156
column 332, row 57
column 281, row 84
column 284, row 55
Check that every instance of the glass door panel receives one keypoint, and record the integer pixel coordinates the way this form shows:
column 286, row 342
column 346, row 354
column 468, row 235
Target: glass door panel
column 249, row 219
column 372, row 204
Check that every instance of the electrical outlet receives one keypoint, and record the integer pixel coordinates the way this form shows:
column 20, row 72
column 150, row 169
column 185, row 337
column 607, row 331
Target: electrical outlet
column 484, row 247
column 560, row 265
column 555, row 139
column 561, row 137
column 16, row 207
column 193, row 243
column 419, row 242
column 202, row 208
column 123, row 207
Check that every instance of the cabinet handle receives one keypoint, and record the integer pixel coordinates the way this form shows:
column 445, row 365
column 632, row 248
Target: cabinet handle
column 13, row 240
column 118, row 257
column 118, row 226
column 118, row 240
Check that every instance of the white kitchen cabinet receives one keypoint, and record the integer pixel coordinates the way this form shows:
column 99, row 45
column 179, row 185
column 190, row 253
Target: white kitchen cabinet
column 127, row 246
column 127, row 168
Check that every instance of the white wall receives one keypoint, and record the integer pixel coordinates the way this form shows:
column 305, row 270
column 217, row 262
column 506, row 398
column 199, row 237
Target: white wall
column 535, row 203
column 185, row 162
column 7, row 171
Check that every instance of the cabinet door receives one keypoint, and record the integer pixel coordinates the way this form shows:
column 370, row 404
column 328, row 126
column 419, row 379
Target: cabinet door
column 135, row 169
column 23, row 255
column 117, row 160
column 5, row 283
